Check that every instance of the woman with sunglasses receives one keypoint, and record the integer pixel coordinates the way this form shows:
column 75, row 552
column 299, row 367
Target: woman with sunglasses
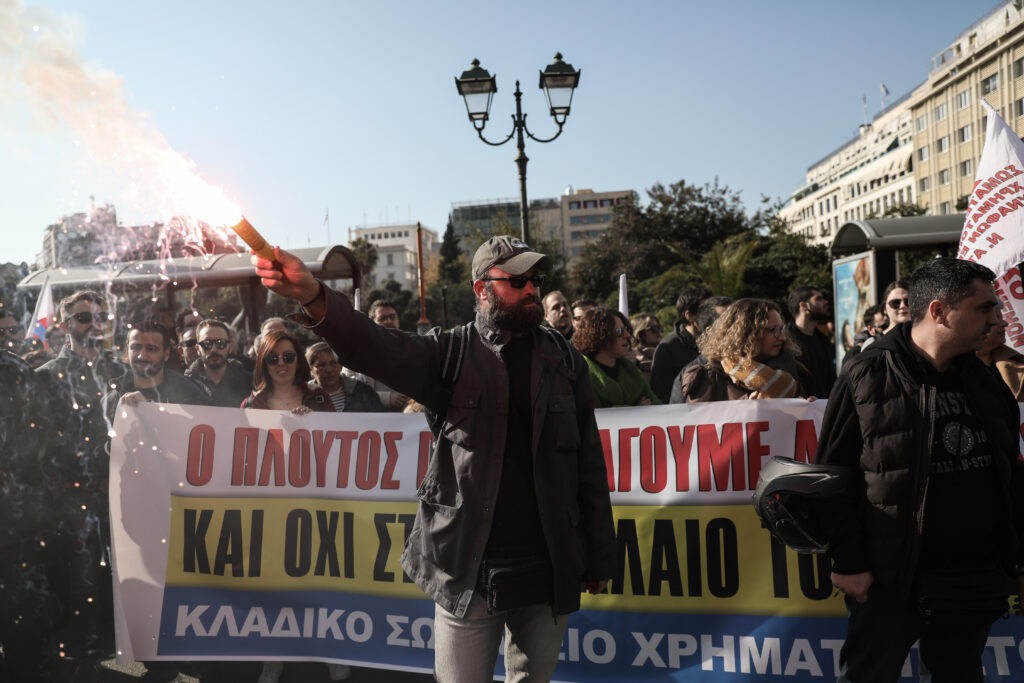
column 281, row 378
column 748, row 356
column 604, row 338
column 896, row 301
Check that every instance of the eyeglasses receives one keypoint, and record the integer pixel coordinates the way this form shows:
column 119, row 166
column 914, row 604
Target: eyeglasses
column 288, row 357
column 208, row 344
column 86, row 317
column 519, row 281
column 896, row 303
column 778, row 331
column 655, row 330
column 191, row 343
column 10, row 331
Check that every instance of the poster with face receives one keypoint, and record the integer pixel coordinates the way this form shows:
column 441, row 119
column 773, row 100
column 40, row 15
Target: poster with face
column 853, row 278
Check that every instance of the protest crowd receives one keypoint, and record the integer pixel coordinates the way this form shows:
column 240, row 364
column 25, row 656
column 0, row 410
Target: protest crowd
column 924, row 401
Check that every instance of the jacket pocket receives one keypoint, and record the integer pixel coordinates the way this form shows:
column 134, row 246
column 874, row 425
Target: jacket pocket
column 463, row 417
column 444, row 499
column 562, row 409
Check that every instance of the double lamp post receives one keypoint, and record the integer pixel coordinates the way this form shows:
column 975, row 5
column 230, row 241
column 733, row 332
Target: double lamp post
column 477, row 87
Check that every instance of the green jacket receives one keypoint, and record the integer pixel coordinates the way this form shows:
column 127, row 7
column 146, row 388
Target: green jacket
column 625, row 390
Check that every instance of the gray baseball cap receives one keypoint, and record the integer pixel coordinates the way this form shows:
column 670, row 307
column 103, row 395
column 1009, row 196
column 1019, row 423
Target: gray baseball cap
column 511, row 254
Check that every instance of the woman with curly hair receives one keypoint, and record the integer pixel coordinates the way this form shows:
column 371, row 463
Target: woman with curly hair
column 604, row 340
column 748, row 356
column 281, row 376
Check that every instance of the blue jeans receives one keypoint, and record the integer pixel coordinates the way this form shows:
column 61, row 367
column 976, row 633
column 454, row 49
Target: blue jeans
column 465, row 650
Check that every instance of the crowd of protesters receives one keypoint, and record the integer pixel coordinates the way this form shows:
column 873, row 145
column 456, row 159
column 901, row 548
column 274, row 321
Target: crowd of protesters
column 57, row 621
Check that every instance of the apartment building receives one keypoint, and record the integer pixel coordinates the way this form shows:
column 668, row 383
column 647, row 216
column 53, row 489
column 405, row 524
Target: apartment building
column 585, row 215
column 865, row 177
column 396, row 252
column 984, row 62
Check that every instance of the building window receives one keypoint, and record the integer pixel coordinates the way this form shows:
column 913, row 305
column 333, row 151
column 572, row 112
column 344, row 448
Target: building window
column 573, row 206
column 990, row 84
column 1018, row 108
column 1018, row 68
column 963, row 134
column 943, row 144
column 944, row 208
column 922, row 122
column 940, row 112
column 966, row 167
column 391, row 259
column 590, row 204
column 963, row 99
column 944, row 177
column 924, row 184
column 922, row 153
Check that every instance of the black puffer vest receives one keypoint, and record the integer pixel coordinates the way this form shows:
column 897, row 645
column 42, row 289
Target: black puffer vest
column 896, row 411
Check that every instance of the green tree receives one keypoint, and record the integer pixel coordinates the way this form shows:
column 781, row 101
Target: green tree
column 451, row 269
column 680, row 221
column 365, row 253
column 723, row 267
column 783, row 260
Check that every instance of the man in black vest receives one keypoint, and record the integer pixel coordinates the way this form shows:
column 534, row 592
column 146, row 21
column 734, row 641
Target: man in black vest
column 930, row 544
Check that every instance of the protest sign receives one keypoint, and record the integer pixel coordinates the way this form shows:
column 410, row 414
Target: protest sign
column 993, row 233
column 265, row 535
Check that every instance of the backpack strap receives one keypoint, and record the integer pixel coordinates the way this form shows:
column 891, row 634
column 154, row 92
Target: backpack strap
column 569, row 361
column 453, row 352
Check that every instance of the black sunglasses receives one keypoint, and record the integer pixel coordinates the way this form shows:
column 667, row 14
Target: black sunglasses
column 86, row 318
column 190, row 343
column 896, row 303
column 519, row 281
column 208, row 344
column 288, row 357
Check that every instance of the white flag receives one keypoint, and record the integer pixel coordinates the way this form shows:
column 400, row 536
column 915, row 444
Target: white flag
column 43, row 317
column 993, row 233
column 623, row 300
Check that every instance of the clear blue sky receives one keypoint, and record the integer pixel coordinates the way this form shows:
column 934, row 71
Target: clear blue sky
column 297, row 108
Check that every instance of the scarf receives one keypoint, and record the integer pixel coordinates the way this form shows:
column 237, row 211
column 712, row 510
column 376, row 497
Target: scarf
column 760, row 378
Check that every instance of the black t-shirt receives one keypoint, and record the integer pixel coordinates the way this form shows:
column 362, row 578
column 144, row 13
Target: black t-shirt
column 516, row 531
column 960, row 517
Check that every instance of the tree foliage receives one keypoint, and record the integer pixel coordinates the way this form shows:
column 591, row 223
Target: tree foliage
column 365, row 253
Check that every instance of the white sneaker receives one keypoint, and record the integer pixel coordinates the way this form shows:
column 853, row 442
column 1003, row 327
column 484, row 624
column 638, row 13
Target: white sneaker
column 338, row 672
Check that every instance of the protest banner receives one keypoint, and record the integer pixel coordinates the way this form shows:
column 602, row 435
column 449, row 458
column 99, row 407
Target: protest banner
column 993, row 233
column 265, row 535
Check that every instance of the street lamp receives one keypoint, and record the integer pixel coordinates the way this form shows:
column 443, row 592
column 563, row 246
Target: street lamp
column 477, row 88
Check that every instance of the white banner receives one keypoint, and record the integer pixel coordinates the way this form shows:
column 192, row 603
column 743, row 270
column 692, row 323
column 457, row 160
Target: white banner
column 261, row 535
column 993, row 233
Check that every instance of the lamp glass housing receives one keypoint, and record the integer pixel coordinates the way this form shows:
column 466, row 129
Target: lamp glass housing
column 477, row 88
column 559, row 81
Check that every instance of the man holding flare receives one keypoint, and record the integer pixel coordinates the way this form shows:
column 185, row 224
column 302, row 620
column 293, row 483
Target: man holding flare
column 514, row 515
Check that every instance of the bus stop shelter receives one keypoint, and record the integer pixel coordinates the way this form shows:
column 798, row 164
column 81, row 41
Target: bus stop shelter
column 165, row 277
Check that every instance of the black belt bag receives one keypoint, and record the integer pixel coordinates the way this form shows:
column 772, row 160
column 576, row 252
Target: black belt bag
column 955, row 597
column 514, row 583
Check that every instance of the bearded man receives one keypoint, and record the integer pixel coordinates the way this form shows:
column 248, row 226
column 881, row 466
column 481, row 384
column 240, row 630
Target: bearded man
column 516, row 487
column 809, row 308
